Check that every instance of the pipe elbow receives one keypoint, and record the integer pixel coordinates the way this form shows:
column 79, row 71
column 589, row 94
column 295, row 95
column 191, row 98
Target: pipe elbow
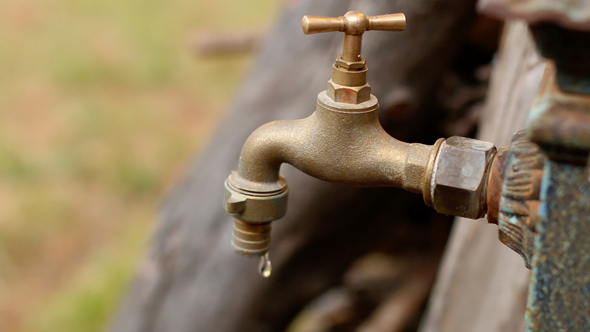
column 335, row 144
column 263, row 153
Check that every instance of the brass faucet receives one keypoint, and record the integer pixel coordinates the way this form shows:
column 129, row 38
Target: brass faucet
column 343, row 142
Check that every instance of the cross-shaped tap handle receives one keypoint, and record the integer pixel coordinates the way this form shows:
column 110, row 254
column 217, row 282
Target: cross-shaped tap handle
column 353, row 24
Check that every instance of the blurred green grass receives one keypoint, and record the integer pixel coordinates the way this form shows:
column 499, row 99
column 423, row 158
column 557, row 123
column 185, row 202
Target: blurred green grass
column 102, row 108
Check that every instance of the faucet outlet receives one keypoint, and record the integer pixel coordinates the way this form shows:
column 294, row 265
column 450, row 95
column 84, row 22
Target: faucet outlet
column 253, row 208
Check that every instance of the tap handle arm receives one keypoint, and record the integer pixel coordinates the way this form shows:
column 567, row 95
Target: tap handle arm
column 390, row 22
column 353, row 23
column 318, row 24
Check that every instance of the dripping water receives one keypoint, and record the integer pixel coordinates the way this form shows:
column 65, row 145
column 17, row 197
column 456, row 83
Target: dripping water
column 265, row 266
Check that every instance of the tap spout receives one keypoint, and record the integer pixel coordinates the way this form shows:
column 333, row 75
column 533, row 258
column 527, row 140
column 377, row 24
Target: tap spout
column 340, row 143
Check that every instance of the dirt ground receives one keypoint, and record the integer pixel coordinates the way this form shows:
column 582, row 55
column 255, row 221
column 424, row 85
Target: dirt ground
column 103, row 104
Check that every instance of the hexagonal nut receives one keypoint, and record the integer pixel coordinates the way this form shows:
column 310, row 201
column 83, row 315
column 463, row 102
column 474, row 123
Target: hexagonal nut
column 340, row 62
column 348, row 94
column 460, row 177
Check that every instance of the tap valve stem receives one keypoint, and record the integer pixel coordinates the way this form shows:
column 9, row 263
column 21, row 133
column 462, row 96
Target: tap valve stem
column 349, row 74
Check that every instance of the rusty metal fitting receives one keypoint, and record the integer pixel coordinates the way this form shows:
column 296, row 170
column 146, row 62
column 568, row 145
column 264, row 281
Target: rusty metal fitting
column 460, row 177
column 559, row 118
column 253, row 211
column 495, row 183
column 519, row 200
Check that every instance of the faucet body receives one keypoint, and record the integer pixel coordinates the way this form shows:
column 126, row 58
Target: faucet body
column 339, row 143
column 343, row 142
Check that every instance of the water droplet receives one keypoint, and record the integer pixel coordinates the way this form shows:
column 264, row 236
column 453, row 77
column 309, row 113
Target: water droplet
column 265, row 266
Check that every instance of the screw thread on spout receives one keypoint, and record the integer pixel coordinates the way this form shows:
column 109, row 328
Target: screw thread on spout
column 251, row 239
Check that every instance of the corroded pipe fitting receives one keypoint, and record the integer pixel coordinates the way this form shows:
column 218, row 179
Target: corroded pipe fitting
column 460, row 178
column 495, row 183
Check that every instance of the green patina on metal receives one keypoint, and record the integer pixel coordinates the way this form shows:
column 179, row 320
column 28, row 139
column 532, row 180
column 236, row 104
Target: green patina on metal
column 559, row 291
column 570, row 50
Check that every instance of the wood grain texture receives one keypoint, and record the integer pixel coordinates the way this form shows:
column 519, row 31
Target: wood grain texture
column 573, row 15
column 482, row 284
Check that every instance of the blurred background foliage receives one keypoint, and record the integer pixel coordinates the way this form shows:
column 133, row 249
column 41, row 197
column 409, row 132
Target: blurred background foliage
column 103, row 105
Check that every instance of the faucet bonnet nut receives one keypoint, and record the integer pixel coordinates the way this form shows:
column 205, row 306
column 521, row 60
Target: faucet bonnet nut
column 460, row 177
column 348, row 94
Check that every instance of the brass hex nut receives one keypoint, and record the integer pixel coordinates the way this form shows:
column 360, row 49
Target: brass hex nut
column 348, row 94
column 354, row 65
column 460, row 177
